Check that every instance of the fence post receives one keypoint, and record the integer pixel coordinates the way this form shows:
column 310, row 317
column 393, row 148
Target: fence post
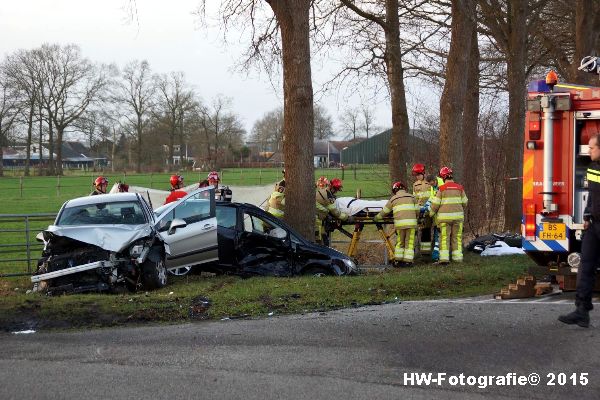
column 57, row 185
column 21, row 186
column 354, row 169
column 260, row 176
column 151, row 179
column 27, row 245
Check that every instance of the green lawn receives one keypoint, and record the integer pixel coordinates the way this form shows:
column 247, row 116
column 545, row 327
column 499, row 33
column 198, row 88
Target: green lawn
column 182, row 300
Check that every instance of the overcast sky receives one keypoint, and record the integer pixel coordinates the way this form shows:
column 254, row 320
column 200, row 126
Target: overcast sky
column 166, row 34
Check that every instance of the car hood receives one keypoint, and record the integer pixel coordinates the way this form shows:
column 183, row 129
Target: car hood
column 108, row 237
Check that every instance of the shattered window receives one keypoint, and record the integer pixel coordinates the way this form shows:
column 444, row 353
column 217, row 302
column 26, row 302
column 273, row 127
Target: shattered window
column 226, row 217
column 255, row 224
column 118, row 213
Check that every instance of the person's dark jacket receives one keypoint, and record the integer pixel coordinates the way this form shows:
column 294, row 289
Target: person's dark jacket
column 593, row 203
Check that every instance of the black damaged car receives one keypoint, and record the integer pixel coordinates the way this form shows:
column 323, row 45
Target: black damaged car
column 254, row 242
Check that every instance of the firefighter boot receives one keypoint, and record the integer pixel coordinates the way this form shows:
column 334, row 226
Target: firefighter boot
column 580, row 316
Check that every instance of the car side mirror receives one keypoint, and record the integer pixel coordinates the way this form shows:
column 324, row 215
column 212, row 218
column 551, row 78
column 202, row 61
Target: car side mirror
column 294, row 246
column 176, row 223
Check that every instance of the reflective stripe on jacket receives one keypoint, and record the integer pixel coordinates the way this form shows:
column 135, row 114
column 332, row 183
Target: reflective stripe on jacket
column 406, row 211
column 449, row 203
column 326, row 205
column 421, row 191
column 593, row 203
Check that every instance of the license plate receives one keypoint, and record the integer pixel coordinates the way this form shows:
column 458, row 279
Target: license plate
column 551, row 231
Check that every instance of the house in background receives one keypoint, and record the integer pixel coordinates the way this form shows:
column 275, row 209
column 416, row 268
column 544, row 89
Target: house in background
column 75, row 155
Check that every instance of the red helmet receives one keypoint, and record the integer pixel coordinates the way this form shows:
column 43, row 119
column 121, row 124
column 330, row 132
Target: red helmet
column 213, row 176
column 176, row 180
column 100, row 181
column 336, row 183
column 445, row 172
column 397, row 186
column 418, row 169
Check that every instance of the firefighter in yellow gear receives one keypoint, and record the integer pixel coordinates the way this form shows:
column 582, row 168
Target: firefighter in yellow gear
column 406, row 212
column 276, row 204
column 448, row 208
column 422, row 192
column 435, row 232
column 325, row 198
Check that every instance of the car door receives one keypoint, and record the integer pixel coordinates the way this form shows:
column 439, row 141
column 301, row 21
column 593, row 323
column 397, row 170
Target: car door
column 263, row 246
column 188, row 229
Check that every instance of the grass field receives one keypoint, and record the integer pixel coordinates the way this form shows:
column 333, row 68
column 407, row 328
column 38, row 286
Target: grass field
column 185, row 298
column 27, row 195
column 198, row 297
column 39, row 194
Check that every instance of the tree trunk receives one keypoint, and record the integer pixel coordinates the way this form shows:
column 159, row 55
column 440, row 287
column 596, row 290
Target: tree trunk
column 50, row 147
column 138, row 165
column 41, row 159
column 472, row 178
column 455, row 87
column 113, row 151
column 298, row 122
column 29, row 137
column 59, row 140
column 395, row 73
column 516, row 59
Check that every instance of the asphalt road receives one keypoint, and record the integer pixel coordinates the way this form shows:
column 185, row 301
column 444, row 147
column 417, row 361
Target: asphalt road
column 365, row 353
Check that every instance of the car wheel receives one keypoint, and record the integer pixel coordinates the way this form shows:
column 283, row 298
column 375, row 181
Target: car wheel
column 316, row 272
column 182, row 271
column 154, row 274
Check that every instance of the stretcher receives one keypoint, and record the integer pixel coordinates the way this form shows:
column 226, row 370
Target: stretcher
column 363, row 212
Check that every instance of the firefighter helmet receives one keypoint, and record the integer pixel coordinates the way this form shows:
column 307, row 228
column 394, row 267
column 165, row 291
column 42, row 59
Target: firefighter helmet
column 397, row 186
column 213, row 176
column 336, row 184
column 322, row 182
column 100, row 181
column 176, row 180
column 445, row 172
column 418, row 169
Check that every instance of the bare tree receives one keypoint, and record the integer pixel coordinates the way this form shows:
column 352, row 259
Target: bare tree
column 350, row 122
column 174, row 99
column 570, row 31
column 135, row 91
column 387, row 19
column 323, row 124
column 69, row 84
column 268, row 131
column 221, row 127
column 9, row 110
column 509, row 24
column 290, row 20
column 20, row 71
column 368, row 120
column 453, row 96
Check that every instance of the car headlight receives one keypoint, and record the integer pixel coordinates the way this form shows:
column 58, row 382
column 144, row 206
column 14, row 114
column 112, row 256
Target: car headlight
column 351, row 265
column 136, row 250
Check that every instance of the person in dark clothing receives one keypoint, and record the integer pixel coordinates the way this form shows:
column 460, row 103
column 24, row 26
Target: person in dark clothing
column 590, row 248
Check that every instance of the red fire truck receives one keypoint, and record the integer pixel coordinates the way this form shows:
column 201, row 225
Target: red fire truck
column 559, row 121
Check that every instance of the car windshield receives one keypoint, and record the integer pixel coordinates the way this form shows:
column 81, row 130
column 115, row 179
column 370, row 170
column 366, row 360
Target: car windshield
column 122, row 213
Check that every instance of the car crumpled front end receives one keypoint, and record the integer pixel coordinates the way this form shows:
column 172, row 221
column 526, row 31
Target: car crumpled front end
column 69, row 265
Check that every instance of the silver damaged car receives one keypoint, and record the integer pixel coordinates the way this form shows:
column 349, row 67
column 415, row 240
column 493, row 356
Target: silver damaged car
column 115, row 241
